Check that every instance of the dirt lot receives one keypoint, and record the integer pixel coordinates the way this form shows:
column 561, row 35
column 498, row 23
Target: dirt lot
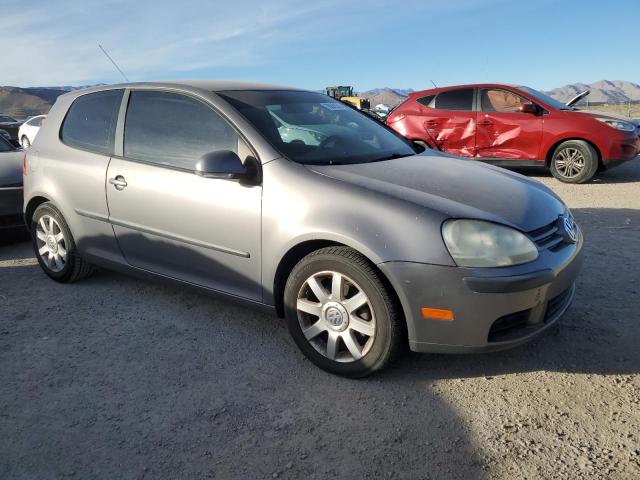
column 119, row 378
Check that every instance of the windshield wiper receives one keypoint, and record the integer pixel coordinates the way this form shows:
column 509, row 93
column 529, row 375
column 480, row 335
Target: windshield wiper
column 393, row 156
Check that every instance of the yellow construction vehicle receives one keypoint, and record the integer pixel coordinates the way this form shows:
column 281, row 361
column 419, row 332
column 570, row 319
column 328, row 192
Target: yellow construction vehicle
column 345, row 94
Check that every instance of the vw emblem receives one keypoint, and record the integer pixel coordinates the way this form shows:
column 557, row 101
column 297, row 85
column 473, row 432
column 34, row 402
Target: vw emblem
column 570, row 228
column 334, row 317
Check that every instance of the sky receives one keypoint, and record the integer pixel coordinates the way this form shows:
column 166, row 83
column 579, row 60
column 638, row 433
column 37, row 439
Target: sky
column 311, row 44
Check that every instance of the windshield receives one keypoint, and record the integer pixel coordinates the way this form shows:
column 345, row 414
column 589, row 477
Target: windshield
column 6, row 119
column 552, row 102
column 312, row 128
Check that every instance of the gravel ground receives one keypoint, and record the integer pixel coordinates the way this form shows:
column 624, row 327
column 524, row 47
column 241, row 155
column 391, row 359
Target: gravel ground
column 116, row 377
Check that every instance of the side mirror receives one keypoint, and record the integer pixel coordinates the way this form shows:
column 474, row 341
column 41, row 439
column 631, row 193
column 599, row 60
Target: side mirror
column 221, row 164
column 528, row 108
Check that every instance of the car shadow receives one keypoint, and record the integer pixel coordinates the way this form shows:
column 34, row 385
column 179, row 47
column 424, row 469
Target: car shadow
column 116, row 377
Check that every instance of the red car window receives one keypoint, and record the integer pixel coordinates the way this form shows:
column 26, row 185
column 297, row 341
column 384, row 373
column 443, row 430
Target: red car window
column 502, row 101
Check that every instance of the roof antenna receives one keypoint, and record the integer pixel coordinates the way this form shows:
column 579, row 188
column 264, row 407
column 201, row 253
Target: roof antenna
column 434, row 83
column 114, row 63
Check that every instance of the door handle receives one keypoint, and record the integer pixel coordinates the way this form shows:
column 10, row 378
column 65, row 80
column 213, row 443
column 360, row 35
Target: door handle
column 119, row 182
column 485, row 123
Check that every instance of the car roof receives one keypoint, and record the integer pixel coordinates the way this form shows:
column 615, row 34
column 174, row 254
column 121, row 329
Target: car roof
column 456, row 87
column 206, row 85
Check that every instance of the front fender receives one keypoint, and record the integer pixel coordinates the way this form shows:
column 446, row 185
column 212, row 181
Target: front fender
column 300, row 205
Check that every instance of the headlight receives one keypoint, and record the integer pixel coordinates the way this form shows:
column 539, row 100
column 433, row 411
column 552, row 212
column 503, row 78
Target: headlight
column 476, row 243
column 618, row 124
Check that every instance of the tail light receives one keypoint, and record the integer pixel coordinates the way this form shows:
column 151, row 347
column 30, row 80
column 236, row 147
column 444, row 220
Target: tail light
column 24, row 165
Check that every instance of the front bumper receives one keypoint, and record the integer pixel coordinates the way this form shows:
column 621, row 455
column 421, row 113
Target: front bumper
column 622, row 149
column 493, row 309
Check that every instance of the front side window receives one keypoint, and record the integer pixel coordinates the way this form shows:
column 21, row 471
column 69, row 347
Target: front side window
column 455, row 100
column 90, row 123
column 312, row 128
column 173, row 129
column 501, row 101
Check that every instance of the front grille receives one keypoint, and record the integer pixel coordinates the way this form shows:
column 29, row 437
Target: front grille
column 547, row 237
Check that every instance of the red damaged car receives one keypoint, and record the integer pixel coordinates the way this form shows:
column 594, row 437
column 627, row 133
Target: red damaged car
column 517, row 126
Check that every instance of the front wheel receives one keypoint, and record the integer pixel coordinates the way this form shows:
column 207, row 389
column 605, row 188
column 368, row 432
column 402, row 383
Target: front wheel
column 55, row 247
column 25, row 142
column 341, row 314
column 574, row 161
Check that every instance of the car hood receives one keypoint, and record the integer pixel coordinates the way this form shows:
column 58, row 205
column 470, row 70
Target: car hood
column 601, row 114
column 11, row 168
column 455, row 187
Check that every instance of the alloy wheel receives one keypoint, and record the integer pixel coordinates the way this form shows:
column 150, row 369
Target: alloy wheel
column 52, row 246
column 569, row 162
column 336, row 316
column 25, row 143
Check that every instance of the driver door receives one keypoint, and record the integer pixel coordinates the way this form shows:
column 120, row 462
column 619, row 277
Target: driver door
column 167, row 219
column 503, row 131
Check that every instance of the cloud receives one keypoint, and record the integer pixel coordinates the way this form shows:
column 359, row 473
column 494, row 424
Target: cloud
column 56, row 42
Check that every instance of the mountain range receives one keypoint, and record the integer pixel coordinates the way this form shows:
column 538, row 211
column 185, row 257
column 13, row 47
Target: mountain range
column 25, row 102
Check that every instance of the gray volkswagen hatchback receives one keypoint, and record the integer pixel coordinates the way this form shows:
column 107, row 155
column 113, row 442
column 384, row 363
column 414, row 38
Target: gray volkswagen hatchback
column 293, row 201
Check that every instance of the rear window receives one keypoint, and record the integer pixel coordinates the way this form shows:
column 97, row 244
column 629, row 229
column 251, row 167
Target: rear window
column 455, row 100
column 90, row 123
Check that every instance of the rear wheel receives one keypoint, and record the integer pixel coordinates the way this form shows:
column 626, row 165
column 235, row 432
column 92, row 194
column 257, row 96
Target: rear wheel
column 54, row 246
column 574, row 161
column 340, row 313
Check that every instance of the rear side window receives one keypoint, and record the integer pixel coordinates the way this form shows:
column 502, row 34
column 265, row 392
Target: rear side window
column 426, row 101
column 173, row 129
column 455, row 100
column 90, row 123
column 36, row 122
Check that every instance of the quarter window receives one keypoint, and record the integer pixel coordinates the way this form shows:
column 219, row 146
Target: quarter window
column 461, row 99
column 173, row 129
column 426, row 101
column 502, row 101
column 90, row 123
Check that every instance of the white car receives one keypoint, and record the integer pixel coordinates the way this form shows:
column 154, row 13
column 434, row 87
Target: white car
column 29, row 129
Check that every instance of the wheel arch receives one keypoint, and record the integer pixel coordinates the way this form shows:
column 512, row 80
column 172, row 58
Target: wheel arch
column 33, row 203
column 301, row 250
column 555, row 145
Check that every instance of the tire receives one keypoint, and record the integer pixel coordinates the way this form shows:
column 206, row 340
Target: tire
column 24, row 142
column 55, row 247
column 366, row 338
column 574, row 161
